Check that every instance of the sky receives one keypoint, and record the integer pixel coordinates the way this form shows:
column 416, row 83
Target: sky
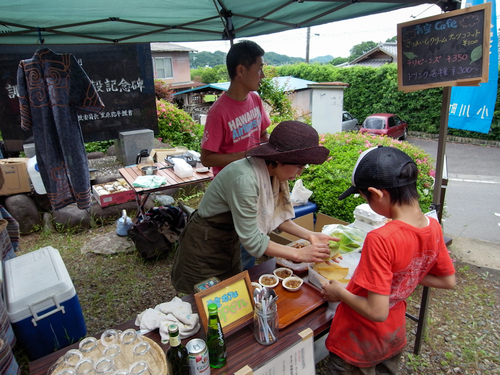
column 335, row 39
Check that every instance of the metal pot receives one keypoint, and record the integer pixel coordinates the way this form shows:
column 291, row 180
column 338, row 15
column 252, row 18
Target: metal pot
column 149, row 170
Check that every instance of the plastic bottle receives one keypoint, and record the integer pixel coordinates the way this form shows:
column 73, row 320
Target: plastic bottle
column 123, row 224
column 215, row 338
column 177, row 354
column 35, row 177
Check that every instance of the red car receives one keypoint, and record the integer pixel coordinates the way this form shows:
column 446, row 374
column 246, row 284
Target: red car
column 386, row 124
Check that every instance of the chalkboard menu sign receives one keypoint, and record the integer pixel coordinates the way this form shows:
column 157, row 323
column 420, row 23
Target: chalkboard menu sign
column 451, row 49
column 122, row 75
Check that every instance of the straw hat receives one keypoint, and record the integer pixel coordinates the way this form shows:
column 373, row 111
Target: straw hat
column 292, row 142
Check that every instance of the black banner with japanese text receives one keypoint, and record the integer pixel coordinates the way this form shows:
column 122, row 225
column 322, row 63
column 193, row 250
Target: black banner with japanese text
column 122, row 75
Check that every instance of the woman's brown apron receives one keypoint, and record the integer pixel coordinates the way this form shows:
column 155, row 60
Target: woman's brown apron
column 207, row 248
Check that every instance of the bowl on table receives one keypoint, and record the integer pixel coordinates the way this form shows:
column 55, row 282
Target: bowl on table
column 149, row 170
column 292, row 283
column 268, row 280
column 282, row 273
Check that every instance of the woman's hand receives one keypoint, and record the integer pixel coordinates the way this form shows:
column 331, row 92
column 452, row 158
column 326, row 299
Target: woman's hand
column 313, row 253
column 332, row 290
column 317, row 237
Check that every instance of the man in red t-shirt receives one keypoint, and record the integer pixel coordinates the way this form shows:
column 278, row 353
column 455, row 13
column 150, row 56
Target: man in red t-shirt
column 368, row 334
column 237, row 121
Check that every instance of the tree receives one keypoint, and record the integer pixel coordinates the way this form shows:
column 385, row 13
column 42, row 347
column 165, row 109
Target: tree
column 209, row 75
column 392, row 40
column 338, row 60
column 206, row 59
column 360, row 49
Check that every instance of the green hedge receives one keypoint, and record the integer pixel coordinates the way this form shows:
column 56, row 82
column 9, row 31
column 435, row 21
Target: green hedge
column 330, row 179
column 374, row 90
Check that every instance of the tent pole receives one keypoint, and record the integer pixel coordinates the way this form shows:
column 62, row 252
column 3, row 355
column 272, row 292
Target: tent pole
column 438, row 205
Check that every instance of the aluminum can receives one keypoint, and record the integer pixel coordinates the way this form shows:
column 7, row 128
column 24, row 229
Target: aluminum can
column 199, row 363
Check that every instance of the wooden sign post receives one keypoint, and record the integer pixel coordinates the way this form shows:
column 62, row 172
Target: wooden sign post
column 451, row 49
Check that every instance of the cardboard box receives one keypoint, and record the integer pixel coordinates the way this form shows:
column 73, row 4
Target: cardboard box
column 106, row 200
column 159, row 154
column 42, row 303
column 308, row 222
column 15, row 175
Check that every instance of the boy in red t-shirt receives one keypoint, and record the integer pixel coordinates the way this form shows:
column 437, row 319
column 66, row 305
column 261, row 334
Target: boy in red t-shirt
column 368, row 334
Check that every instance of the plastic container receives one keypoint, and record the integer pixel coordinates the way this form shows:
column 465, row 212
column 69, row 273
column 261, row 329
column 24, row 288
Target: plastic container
column 42, row 303
column 35, row 177
column 367, row 219
column 123, row 224
column 349, row 260
column 182, row 168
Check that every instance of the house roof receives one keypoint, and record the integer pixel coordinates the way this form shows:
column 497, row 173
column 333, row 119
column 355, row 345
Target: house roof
column 288, row 82
column 373, row 57
column 170, row 47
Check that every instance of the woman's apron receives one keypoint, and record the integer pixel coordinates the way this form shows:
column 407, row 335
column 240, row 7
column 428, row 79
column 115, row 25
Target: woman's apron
column 207, row 248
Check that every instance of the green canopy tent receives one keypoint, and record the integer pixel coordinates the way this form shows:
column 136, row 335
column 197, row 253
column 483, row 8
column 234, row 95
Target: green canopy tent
column 127, row 21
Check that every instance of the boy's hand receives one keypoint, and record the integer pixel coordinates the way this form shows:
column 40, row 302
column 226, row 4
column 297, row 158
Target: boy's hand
column 332, row 289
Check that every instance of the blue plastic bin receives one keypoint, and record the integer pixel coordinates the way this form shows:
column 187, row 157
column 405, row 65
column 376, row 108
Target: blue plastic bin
column 305, row 209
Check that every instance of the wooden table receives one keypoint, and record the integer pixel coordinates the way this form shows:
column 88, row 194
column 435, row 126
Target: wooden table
column 242, row 348
column 173, row 181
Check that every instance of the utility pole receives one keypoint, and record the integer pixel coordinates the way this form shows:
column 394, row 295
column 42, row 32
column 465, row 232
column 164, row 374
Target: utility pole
column 308, row 41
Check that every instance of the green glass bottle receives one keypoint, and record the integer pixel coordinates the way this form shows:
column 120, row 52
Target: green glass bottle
column 215, row 338
column 177, row 354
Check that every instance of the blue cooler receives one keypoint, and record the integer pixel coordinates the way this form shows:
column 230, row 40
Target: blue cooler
column 42, row 303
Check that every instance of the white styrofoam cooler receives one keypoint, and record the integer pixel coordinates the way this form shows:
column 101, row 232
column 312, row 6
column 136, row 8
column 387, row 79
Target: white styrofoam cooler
column 42, row 303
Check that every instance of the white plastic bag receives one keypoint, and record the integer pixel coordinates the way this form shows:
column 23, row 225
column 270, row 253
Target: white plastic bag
column 300, row 194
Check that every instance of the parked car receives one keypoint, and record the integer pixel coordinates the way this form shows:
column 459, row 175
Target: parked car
column 349, row 122
column 387, row 124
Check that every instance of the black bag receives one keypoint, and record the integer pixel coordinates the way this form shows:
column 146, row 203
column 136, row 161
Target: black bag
column 148, row 240
column 171, row 216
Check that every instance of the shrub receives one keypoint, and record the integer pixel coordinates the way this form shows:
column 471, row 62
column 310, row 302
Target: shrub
column 278, row 99
column 163, row 90
column 176, row 127
column 333, row 177
column 98, row 146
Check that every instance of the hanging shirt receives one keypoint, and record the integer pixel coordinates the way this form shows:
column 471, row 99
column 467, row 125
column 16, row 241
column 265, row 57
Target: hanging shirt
column 52, row 87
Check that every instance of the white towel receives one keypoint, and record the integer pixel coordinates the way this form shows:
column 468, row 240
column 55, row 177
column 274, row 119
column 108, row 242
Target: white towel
column 273, row 203
column 176, row 311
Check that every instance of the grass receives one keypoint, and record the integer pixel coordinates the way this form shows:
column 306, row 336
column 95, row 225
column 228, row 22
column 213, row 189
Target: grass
column 463, row 326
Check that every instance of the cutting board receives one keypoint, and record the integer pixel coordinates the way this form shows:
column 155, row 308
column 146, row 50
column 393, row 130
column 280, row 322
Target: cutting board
column 294, row 305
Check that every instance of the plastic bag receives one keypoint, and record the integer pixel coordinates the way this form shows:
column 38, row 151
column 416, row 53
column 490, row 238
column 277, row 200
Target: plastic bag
column 300, row 194
column 351, row 239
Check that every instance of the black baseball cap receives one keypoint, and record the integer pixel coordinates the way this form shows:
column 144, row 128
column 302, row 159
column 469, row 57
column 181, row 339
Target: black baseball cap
column 379, row 167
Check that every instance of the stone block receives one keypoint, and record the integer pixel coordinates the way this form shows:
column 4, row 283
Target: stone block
column 130, row 143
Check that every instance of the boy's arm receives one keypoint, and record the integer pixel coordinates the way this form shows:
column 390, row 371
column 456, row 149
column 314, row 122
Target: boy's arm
column 213, row 159
column 374, row 307
column 443, row 282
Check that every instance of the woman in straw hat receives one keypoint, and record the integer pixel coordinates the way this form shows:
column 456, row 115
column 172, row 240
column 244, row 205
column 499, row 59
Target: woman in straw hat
column 247, row 200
